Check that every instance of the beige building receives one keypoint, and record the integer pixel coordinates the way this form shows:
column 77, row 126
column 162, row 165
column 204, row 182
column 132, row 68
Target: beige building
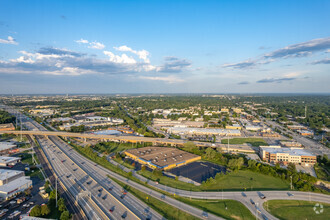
column 277, row 154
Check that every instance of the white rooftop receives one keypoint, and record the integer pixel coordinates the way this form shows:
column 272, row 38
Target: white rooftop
column 6, row 145
column 4, row 173
column 13, row 185
column 4, row 160
column 290, row 151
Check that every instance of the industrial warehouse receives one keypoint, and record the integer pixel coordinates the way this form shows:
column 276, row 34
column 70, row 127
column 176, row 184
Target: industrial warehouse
column 161, row 157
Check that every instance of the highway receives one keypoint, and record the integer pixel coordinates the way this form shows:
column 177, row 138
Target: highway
column 90, row 181
column 98, row 174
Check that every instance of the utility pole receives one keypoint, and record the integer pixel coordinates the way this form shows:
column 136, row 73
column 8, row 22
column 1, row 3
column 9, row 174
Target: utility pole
column 305, row 111
column 228, row 143
column 56, row 189
column 21, row 124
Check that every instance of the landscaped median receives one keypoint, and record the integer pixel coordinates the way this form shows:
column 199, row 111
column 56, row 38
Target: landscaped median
column 297, row 209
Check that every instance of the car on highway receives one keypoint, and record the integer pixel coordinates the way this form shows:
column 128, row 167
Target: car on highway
column 205, row 215
column 243, row 194
column 290, row 194
column 262, row 196
column 124, row 215
column 100, row 189
column 123, row 191
column 252, row 202
column 112, row 209
column 110, row 188
column 264, row 216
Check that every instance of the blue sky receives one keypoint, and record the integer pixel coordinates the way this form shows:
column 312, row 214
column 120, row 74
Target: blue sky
column 164, row 46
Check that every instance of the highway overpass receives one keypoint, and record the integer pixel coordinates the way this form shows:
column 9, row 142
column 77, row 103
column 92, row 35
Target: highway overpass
column 133, row 139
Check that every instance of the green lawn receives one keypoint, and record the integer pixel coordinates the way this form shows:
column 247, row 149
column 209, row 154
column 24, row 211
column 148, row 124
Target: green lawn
column 167, row 211
column 321, row 173
column 295, row 209
column 235, row 209
column 256, row 142
column 238, row 180
column 169, row 181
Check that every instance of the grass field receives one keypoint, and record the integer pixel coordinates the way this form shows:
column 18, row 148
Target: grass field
column 169, row 181
column 242, row 179
column 294, row 209
column 235, row 210
column 238, row 180
column 256, row 142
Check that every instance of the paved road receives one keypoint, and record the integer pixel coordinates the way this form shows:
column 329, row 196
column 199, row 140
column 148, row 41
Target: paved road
column 309, row 144
column 90, row 181
column 89, row 166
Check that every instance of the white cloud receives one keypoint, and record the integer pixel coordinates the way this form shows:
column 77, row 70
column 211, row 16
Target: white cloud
column 82, row 41
column 96, row 45
column 120, row 59
column 168, row 79
column 93, row 45
column 142, row 54
column 303, row 49
column 10, row 40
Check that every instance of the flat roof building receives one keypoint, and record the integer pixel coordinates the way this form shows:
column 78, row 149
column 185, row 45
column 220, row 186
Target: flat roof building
column 276, row 154
column 7, row 148
column 291, row 144
column 13, row 182
column 7, row 127
column 204, row 131
column 164, row 158
column 9, row 161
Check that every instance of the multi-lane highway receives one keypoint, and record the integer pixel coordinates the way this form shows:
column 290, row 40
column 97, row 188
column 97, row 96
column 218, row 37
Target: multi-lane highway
column 107, row 197
column 82, row 171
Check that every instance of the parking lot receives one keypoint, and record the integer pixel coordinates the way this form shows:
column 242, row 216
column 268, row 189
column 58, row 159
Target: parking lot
column 198, row 171
column 23, row 207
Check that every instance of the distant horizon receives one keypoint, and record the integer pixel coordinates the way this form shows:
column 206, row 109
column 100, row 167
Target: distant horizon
column 74, row 94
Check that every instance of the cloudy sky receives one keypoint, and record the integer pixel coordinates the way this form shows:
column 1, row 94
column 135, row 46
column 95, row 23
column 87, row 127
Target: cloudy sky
column 164, row 46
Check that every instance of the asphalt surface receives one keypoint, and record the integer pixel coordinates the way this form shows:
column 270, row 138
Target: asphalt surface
column 255, row 196
column 198, row 171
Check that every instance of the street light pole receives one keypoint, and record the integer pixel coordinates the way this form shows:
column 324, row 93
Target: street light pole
column 56, row 190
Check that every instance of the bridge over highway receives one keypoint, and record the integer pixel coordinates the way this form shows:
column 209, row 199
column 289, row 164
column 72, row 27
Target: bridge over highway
column 132, row 139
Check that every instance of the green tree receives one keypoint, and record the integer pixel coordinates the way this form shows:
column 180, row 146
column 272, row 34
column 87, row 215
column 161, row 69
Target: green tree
column 44, row 210
column 65, row 215
column 292, row 167
column 35, row 211
column 61, row 205
column 52, row 194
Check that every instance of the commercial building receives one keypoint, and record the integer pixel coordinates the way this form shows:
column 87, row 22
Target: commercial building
column 9, row 161
column 7, row 127
column 8, row 148
column 277, row 154
column 169, row 123
column 305, row 133
column 292, row 144
column 164, row 158
column 253, row 128
column 297, row 127
column 13, row 182
column 204, row 131
column 234, row 126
